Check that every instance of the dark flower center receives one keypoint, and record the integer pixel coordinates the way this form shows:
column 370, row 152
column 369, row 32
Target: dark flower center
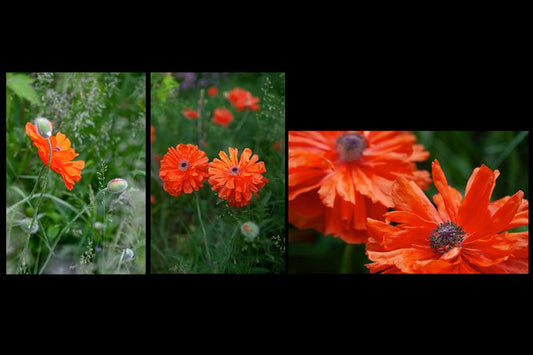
column 183, row 165
column 350, row 146
column 56, row 149
column 234, row 170
column 446, row 236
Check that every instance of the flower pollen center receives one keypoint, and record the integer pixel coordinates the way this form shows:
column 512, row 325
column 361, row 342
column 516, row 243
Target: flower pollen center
column 234, row 170
column 183, row 165
column 445, row 237
column 350, row 146
column 56, row 149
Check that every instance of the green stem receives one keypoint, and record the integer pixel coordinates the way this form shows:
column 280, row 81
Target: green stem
column 86, row 209
column 36, row 211
column 202, row 225
column 10, row 208
column 243, row 119
column 346, row 259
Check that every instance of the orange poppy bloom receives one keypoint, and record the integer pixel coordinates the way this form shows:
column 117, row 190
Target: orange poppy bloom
column 183, row 169
column 236, row 179
column 461, row 235
column 212, row 91
column 62, row 155
column 222, row 116
column 190, row 114
column 337, row 179
column 243, row 99
column 152, row 134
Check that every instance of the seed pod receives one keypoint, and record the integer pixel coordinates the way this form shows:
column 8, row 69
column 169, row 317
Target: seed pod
column 44, row 127
column 116, row 186
column 250, row 230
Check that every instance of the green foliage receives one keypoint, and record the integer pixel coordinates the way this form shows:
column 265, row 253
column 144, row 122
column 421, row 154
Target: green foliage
column 178, row 244
column 458, row 152
column 21, row 85
column 103, row 115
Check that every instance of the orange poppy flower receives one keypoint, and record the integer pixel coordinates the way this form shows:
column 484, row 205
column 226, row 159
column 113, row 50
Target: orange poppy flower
column 62, row 155
column 243, row 99
column 461, row 235
column 236, row 179
column 222, row 116
column 212, row 91
column 337, row 179
column 152, row 134
column 183, row 169
column 190, row 114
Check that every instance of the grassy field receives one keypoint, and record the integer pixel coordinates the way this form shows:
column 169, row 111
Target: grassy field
column 198, row 232
column 87, row 229
column 458, row 152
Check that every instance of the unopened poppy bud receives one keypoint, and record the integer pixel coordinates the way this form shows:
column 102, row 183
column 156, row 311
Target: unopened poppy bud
column 250, row 230
column 44, row 127
column 98, row 226
column 26, row 223
column 128, row 254
column 116, row 186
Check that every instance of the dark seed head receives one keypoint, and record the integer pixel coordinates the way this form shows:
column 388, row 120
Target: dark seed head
column 183, row 165
column 350, row 146
column 446, row 236
column 234, row 170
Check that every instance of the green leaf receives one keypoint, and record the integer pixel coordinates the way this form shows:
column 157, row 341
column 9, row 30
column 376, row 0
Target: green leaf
column 167, row 85
column 21, row 86
column 52, row 232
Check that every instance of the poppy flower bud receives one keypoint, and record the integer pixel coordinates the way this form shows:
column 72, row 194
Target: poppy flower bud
column 44, row 127
column 26, row 223
column 128, row 254
column 250, row 230
column 98, row 226
column 116, row 186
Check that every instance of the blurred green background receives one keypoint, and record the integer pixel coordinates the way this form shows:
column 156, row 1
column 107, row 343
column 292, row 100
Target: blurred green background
column 103, row 115
column 177, row 241
column 458, row 152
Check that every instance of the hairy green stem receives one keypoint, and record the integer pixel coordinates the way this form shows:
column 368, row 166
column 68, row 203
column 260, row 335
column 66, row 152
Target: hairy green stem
column 202, row 225
column 36, row 211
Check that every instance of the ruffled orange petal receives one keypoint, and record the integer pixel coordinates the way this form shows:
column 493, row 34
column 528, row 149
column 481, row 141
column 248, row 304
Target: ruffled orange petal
column 448, row 196
column 407, row 196
column 472, row 212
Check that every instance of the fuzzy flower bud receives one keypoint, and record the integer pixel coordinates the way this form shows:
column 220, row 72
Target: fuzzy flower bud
column 44, row 127
column 250, row 230
column 116, row 186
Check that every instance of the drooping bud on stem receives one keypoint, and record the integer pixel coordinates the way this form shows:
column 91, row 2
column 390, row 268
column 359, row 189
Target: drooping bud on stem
column 116, row 186
column 44, row 127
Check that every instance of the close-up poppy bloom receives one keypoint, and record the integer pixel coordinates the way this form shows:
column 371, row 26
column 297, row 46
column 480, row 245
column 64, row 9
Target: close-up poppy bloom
column 212, row 91
column 466, row 234
column 183, row 169
column 242, row 99
column 222, row 116
column 62, row 155
column 236, row 179
column 339, row 178
column 190, row 114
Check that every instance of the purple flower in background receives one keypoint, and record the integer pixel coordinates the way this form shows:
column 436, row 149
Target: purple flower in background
column 196, row 80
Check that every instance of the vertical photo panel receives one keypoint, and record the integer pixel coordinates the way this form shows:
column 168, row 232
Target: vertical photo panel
column 75, row 173
column 218, row 173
